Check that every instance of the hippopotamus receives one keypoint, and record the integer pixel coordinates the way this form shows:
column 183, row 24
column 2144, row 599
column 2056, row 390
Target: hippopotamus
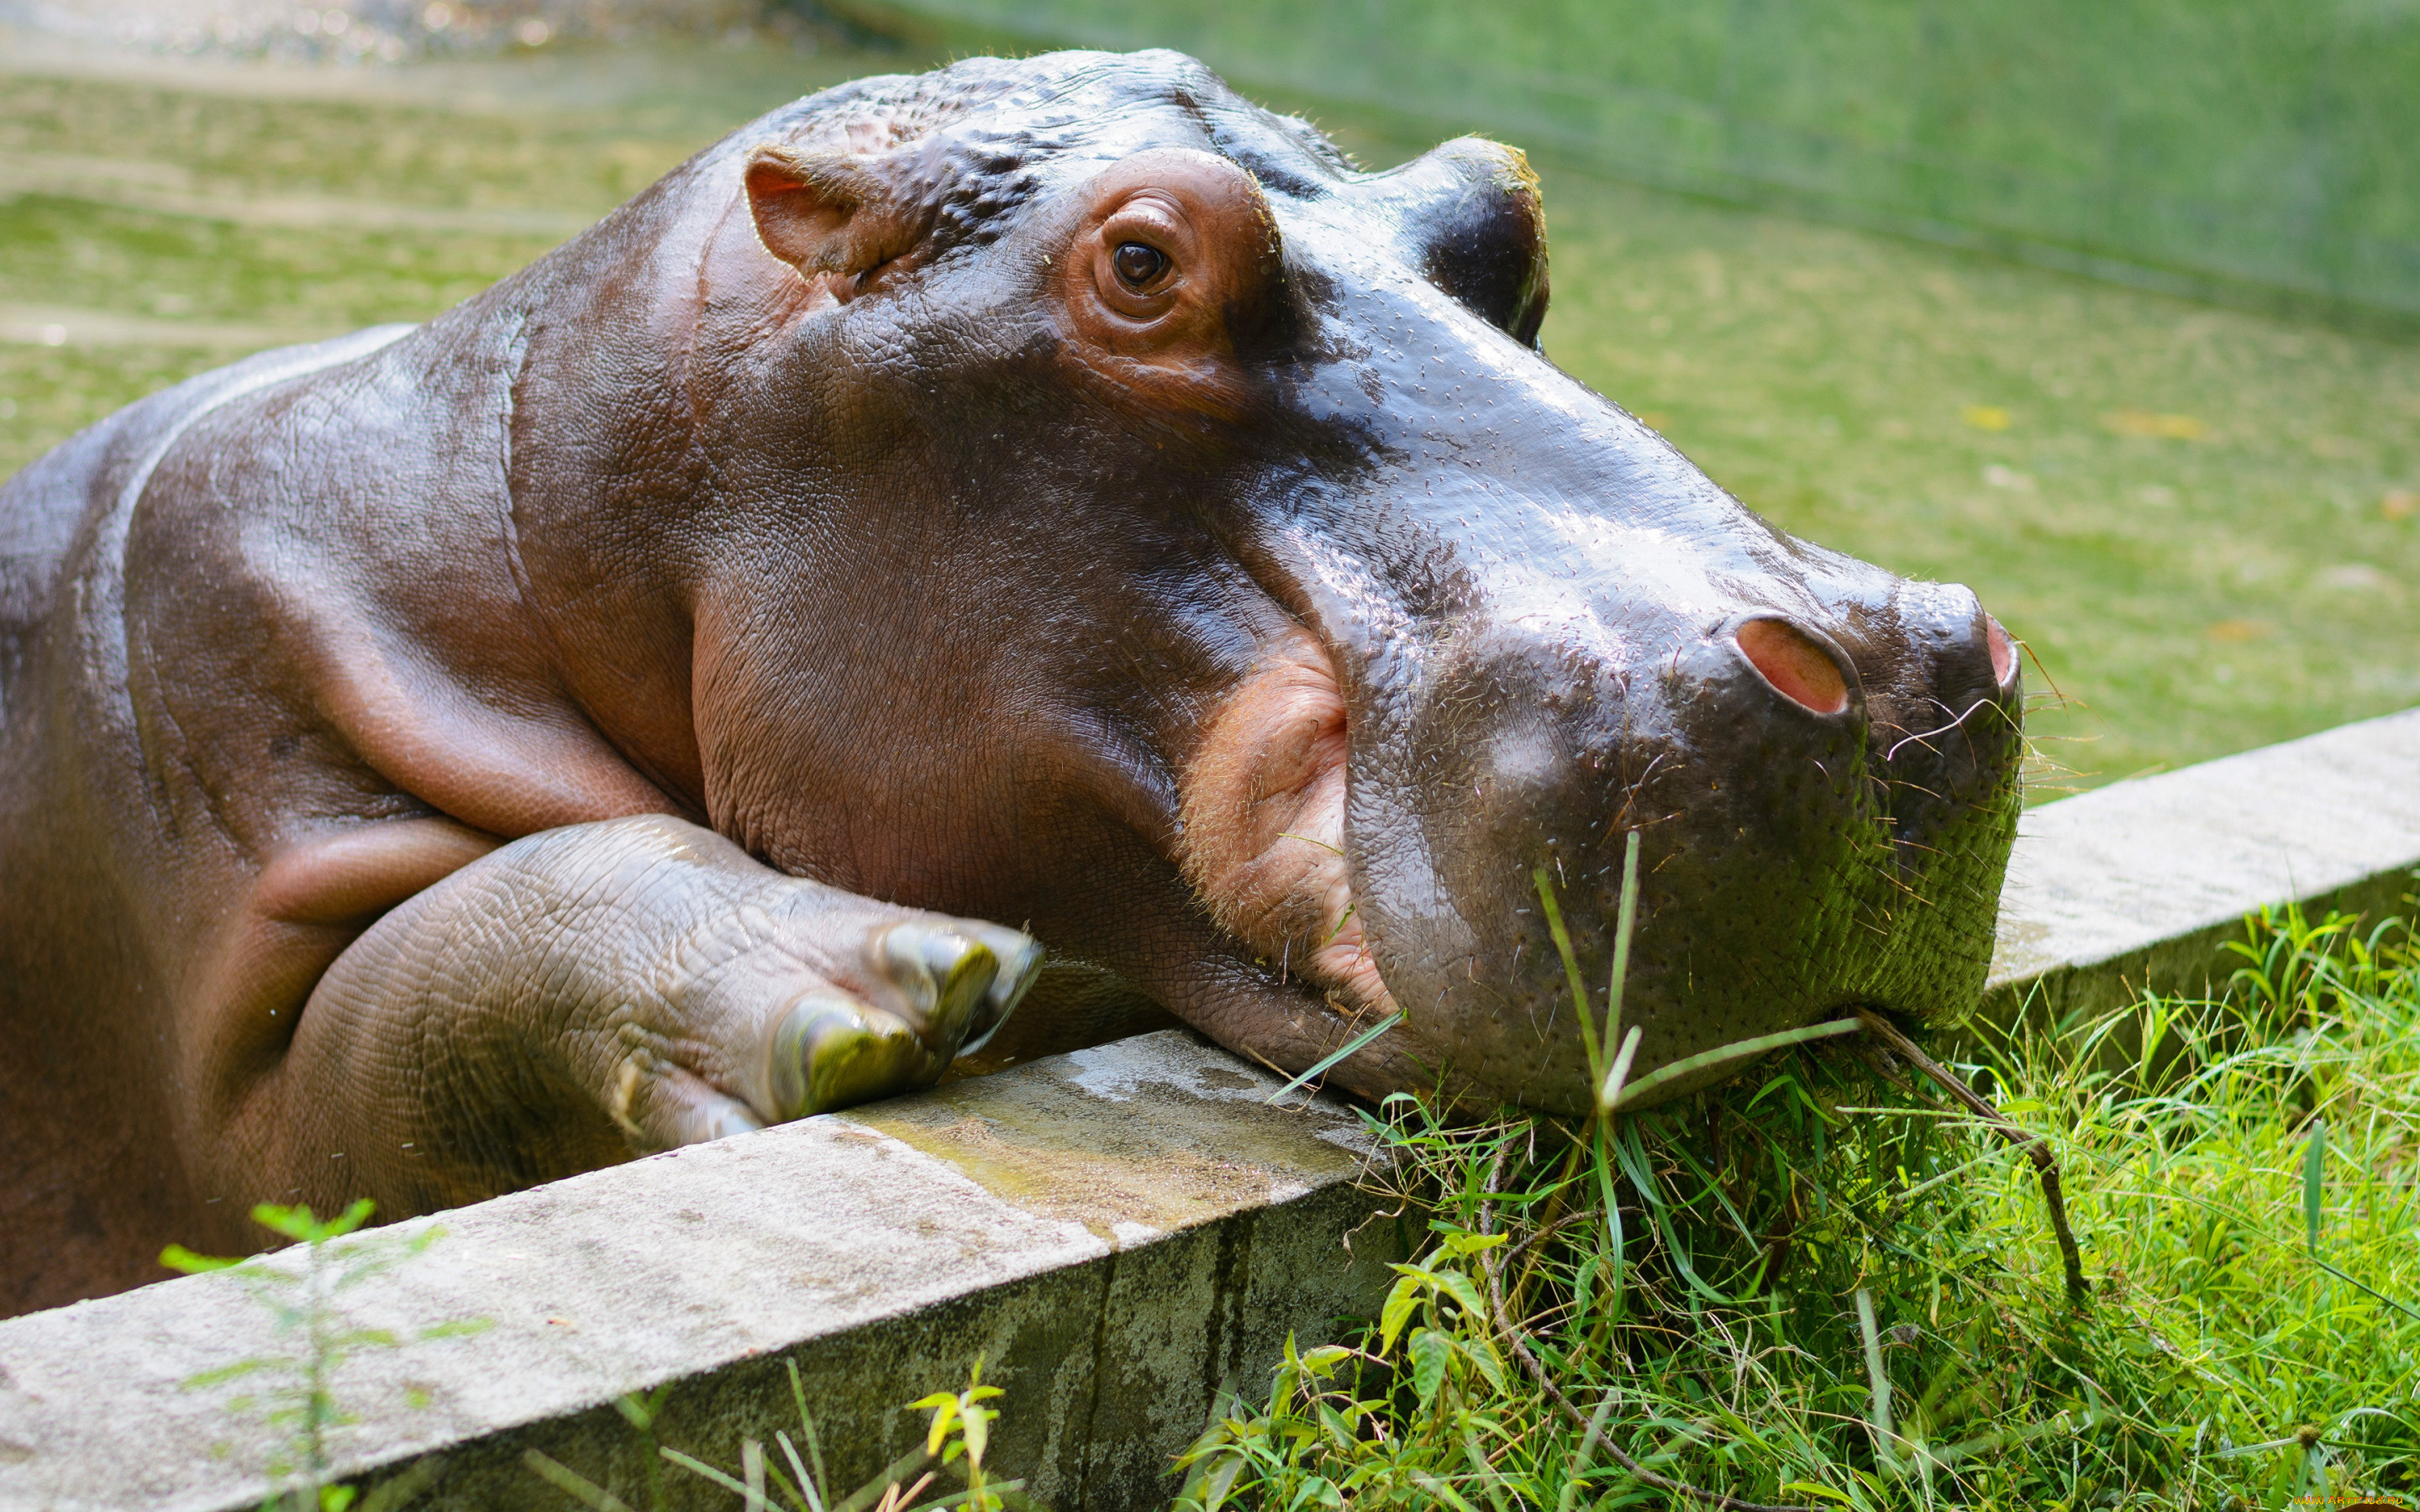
column 1045, row 531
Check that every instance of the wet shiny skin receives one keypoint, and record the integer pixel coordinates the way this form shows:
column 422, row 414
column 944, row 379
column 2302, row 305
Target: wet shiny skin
column 469, row 755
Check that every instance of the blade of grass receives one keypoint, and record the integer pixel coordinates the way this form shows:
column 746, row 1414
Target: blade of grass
column 1624, row 921
column 810, row 1493
column 1885, row 1448
column 751, row 1470
column 2314, row 1164
column 399, row 1492
column 807, row 1426
column 699, row 1467
column 1738, row 1051
column 1610, row 1090
column 1010, row 1493
column 571, row 1483
column 893, row 1474
column 2402, row 1307
column 1617, row 1262
column 1609, row 1096
column 1562, row 938
column 1350, row 1047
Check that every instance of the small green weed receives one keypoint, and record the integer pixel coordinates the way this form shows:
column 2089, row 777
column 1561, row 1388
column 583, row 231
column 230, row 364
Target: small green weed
column 297, row 1399
column 1819, row 1286
column 955, row 1443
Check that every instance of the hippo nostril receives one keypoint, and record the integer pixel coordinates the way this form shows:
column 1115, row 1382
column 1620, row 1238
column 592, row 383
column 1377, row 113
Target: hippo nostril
column 2004, row 652
column 1799, row 668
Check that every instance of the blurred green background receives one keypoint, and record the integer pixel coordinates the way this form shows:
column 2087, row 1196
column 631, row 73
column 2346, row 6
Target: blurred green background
column 2202, row 514
column 2256, row 150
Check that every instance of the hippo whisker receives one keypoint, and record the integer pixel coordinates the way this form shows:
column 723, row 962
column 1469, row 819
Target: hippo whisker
column 1307, row 840
column 1917, row 845
column 1956, row 721
column 1900, row 782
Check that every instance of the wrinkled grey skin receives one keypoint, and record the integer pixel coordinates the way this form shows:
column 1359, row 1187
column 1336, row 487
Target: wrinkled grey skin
column 604, row 717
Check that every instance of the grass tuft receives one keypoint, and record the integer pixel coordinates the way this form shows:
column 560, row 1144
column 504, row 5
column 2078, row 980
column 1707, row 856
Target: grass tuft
column 1816, row 1288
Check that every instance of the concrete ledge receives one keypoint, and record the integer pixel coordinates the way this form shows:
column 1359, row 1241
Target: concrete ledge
column 2138, row 884
column 1114, row 1231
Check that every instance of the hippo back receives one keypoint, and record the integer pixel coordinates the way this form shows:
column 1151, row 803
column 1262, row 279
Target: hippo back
column 95, row 477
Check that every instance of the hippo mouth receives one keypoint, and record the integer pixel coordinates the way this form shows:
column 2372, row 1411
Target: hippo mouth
column 1263, row 840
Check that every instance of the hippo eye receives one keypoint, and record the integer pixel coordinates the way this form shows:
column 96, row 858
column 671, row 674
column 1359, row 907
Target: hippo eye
column 1138, row 264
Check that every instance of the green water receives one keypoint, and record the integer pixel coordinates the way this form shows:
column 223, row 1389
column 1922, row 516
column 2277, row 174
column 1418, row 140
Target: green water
column 2205, row 524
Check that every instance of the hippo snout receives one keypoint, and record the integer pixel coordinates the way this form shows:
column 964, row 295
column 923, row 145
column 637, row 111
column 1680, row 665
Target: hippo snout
column 1823, row 796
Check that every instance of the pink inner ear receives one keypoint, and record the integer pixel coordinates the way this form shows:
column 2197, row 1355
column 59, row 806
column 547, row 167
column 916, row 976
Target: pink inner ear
column 2003, row 652
column 822, row 212
column 1801, row 670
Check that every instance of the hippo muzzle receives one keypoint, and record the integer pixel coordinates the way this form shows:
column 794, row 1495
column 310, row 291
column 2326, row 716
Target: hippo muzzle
column 1546, row 633
column 1805, row 843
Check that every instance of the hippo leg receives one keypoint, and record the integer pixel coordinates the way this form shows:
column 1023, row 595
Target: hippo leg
column 619, row 987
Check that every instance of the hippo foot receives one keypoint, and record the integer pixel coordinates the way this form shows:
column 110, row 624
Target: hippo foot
column 959, row 981
column 639, row 983
column 778, row 997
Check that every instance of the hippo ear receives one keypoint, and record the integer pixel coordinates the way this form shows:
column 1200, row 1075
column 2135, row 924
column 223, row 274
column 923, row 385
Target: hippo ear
column 823, row 212
column 1473, row 213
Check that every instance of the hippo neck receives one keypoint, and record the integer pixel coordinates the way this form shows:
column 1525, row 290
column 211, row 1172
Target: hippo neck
column 602, row 453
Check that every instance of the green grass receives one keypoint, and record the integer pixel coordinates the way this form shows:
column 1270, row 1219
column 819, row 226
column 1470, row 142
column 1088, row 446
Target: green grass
column 1815, row 1290
column 959, row 1432
column 1945, row 414
column 214, row 210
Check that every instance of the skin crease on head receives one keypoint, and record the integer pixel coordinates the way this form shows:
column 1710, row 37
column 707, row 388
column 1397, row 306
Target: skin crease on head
column 1039, row 507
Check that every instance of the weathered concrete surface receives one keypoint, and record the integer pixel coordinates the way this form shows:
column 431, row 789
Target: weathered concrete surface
column 1114, row 1232
column 2138, row 884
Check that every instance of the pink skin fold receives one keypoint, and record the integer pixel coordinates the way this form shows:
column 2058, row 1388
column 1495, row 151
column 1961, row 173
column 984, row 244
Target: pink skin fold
column 1263, row 827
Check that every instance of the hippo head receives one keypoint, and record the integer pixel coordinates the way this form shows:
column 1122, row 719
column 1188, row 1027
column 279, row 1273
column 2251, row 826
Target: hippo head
column 1125, row 518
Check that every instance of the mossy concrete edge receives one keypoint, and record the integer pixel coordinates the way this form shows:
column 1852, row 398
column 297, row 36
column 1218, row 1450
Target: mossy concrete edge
column 2140, row 885
column 1118, row 1233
